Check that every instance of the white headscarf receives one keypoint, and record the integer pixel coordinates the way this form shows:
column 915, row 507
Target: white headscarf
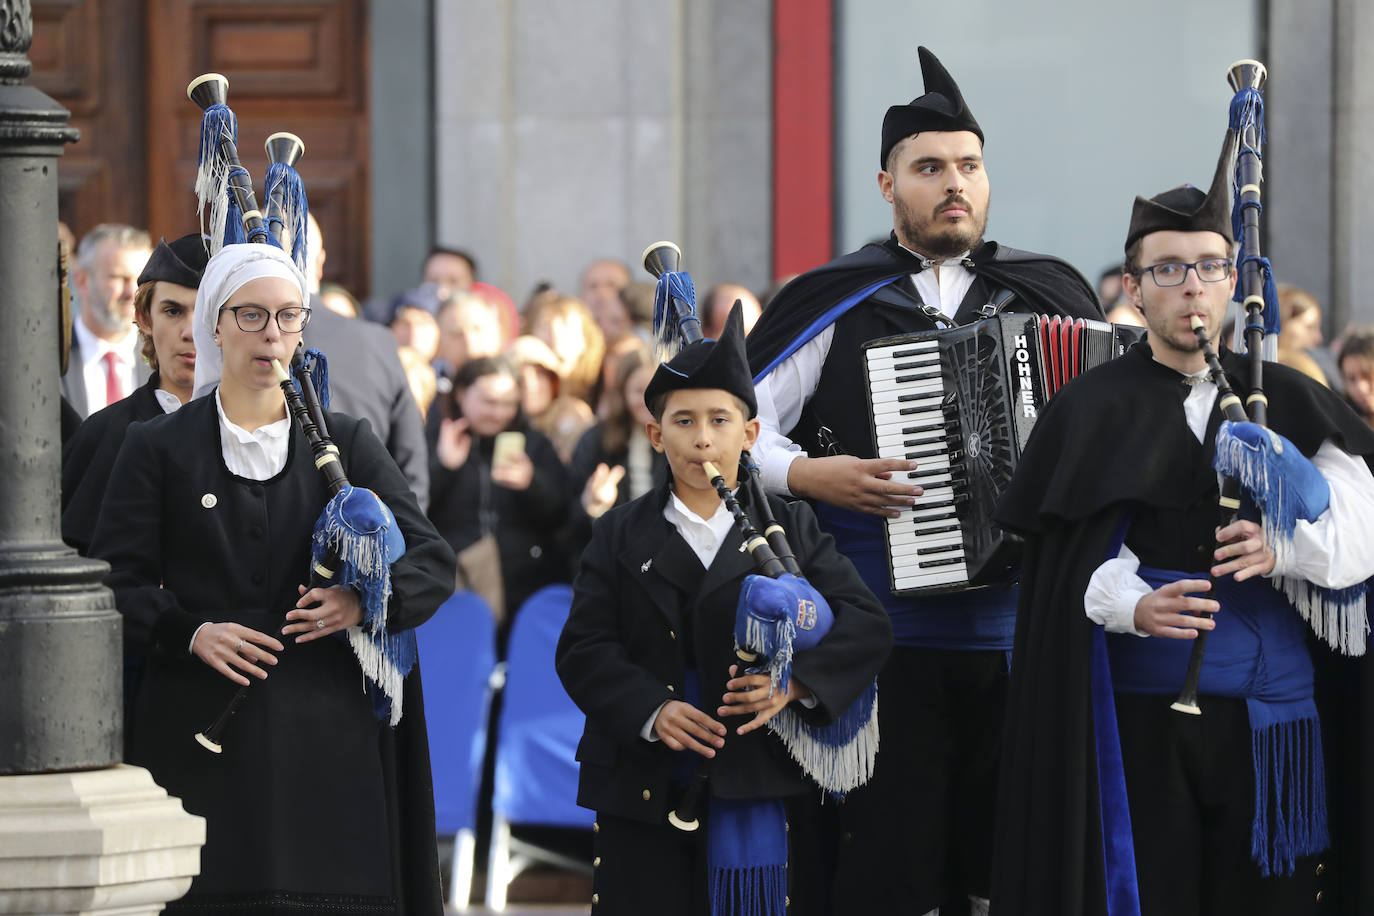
column 226, row 273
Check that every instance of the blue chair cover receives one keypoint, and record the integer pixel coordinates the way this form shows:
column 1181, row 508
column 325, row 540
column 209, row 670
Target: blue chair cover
column 536, row 770
column 457, row 654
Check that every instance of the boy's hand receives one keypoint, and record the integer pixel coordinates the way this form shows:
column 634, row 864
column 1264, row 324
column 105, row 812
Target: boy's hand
column 682, row 726
column 749, row 694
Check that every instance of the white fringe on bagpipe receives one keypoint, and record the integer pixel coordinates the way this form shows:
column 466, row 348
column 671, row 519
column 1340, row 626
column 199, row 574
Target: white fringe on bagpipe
column 836, row 769
column 773, row 640
column 1339, row 617
column 377, row 667
column 212, row 182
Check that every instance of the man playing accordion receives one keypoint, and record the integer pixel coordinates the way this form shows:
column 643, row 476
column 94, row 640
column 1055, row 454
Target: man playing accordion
column 920, row 833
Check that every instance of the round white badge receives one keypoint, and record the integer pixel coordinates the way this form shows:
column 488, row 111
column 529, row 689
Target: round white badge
column 208, row 500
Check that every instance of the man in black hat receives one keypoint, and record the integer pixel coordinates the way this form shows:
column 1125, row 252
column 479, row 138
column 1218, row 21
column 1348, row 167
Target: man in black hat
column 920, row 834
column 648, row 655
column 1112, row 801
column 163, row 306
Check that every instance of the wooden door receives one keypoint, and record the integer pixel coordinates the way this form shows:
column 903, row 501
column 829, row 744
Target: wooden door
column 122, row 67
column 87, row 55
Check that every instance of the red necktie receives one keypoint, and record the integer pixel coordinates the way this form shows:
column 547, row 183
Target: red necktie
column 114, row 386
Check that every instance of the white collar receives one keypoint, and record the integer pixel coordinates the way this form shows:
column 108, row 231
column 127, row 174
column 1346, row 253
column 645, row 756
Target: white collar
column 275, row 430
column 168, row 401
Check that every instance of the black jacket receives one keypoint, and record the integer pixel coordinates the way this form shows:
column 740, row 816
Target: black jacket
column 312, row 799
column 644, row 609
column 366, row 381
column 89, row 455
column 73, row 385
column 526, row 522
column 1106, row 443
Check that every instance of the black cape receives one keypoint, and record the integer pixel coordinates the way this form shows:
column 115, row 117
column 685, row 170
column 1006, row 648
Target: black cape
column 89, row 455
column 1093, row 453
column 1046, row 284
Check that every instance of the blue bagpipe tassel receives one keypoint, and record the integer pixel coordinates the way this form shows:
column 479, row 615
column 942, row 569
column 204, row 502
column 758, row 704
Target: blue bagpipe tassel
column 359, row 533
column 1283, row 483
column 287, row 209
column 1286, row 487
column 212, row 179
column 675, row 306
column 775, row 619
column 318, row 366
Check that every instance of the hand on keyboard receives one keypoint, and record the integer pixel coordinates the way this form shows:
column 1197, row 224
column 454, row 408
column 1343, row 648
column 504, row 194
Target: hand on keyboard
column 859, row 484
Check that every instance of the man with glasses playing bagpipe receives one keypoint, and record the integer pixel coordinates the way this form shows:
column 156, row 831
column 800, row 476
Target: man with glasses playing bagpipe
column 1159, row 760
column 919, row 835
column 695, row 817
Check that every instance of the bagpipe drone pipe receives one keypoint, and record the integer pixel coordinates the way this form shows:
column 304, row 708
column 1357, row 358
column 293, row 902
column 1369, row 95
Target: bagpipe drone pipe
column 356, row 538
column 779, row 613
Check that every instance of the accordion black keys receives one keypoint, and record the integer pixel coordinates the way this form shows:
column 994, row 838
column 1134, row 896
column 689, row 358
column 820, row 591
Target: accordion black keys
column 961, row 402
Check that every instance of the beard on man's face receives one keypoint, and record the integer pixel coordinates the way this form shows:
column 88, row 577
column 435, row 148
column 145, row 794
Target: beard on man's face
column 920, row 232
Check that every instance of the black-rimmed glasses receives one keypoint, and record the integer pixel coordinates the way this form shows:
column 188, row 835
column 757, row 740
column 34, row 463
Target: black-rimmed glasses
column 1173, row 273
column 254, row 318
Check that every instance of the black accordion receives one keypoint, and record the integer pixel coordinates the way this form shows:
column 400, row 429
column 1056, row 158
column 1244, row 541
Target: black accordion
column 961, row 403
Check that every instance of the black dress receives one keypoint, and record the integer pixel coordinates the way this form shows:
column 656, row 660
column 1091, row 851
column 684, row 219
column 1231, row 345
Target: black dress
column 314, row 806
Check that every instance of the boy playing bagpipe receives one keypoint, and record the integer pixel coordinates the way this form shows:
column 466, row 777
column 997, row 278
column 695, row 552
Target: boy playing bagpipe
column 665, row 592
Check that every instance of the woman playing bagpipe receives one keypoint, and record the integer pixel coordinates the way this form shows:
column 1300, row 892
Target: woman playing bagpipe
column 318, row 799
column 649, row 654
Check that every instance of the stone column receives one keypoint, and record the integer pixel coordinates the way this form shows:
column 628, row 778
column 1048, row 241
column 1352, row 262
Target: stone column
column 1320, row 113
column 78, row 832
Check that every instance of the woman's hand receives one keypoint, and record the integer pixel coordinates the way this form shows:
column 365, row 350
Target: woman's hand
column 454, row 444
column 515, row 473
column 749, row 694
column 229, row 646
column 323, row 611
column 602, row 490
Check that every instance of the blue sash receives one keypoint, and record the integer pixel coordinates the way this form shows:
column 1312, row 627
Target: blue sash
column 746, row 840
column 981, row 619
column 1258, row 653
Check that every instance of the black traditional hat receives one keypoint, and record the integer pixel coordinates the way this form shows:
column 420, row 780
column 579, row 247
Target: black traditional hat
column 181, row 262
column 941, row 108
column 1186, row 208
column 709, row 364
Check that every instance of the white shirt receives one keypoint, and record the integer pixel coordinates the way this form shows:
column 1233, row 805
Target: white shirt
column 1333, row 551
column 259, row 455
column 166, row 400
column 93, row 350
column 786, row 390
column 703, row 535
